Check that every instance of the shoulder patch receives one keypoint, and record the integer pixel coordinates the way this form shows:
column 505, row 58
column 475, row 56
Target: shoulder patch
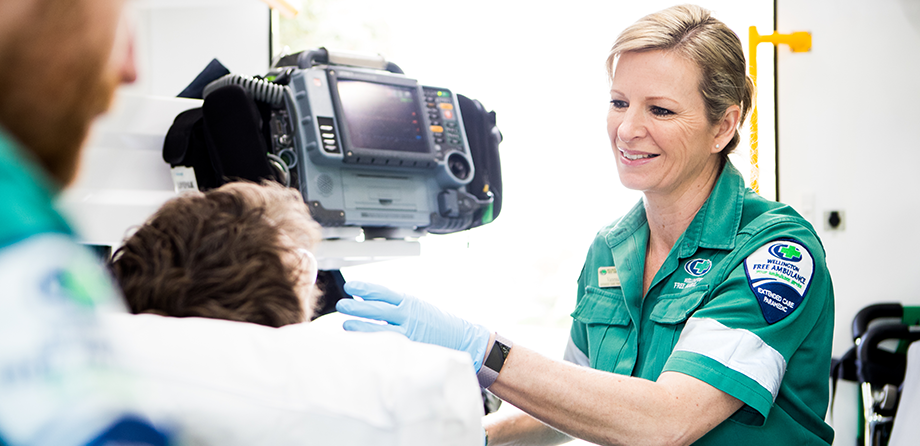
column 779, row 273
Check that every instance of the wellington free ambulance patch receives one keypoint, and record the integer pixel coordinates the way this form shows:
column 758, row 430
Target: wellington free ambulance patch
column 779, row 274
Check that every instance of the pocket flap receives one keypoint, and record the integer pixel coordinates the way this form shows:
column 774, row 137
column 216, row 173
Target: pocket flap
column 602, row 306
column 677, row 308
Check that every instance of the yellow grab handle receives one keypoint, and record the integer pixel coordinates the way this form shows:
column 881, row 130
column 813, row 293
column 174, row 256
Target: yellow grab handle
column 799, row 42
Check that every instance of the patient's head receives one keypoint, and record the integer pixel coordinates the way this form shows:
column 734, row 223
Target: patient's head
column 240, row 252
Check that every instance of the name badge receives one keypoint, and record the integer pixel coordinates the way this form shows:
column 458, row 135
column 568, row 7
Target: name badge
column 607, row 277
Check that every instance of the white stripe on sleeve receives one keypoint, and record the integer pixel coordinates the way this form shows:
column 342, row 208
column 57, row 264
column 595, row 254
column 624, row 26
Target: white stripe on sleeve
column 737, row 349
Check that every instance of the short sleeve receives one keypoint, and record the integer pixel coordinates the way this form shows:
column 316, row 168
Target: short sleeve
column 742, row 339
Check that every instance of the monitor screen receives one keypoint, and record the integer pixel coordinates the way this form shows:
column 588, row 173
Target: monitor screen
column 382, row 117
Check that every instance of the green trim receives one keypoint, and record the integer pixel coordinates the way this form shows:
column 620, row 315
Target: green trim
column 911, row 316
column 487, row 215
column 725, row 379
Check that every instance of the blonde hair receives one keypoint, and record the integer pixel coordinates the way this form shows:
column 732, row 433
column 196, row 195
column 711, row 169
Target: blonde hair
column 691, row 32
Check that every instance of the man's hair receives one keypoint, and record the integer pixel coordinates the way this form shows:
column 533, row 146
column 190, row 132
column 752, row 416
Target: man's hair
column 693, row 33
column 230, row 253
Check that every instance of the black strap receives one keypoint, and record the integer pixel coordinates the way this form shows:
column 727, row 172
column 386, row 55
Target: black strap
column 842, row 368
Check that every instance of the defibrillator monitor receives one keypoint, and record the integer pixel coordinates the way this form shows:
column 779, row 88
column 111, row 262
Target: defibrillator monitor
column 377, row 149
column 365, row 145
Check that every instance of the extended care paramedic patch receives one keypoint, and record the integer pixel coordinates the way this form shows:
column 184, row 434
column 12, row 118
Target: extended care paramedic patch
column 779, row 274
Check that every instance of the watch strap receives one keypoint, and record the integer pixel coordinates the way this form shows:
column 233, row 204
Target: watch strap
column 493, row 363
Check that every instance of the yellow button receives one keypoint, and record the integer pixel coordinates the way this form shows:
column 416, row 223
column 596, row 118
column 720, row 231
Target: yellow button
column 437, row 129
column 446, row 106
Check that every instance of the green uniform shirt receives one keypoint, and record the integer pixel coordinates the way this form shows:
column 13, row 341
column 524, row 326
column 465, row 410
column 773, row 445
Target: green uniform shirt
column 27, row 205
column 743, row 302
column 57, row 382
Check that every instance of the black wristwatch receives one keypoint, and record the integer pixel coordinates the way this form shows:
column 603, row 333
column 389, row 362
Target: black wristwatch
column 488, row 373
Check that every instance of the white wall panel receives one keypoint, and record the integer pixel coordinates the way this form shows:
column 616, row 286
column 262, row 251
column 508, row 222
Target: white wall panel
column 847, row 141
column 177, row 39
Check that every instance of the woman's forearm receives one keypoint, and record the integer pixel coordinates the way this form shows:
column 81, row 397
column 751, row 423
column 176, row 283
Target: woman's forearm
column 606, row 408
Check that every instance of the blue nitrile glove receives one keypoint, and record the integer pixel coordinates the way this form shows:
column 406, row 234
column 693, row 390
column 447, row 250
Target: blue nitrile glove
column 418, row 320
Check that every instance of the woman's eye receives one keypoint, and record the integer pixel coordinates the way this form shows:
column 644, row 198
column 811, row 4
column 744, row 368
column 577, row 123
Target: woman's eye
column 658, row 111
column 616, row 103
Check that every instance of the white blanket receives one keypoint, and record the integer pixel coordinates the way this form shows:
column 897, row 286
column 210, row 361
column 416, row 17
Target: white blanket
column 229, row 383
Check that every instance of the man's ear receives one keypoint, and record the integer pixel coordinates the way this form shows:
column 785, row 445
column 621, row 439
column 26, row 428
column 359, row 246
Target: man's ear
column 726, row 127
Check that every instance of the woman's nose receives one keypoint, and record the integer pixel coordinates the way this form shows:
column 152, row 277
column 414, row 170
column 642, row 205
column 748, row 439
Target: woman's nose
column 631, row 126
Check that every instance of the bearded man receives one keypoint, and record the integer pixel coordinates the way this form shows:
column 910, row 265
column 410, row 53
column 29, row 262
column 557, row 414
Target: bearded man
column 60, row 62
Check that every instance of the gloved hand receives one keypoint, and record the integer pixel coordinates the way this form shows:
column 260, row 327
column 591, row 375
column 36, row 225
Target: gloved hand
column 418, row 320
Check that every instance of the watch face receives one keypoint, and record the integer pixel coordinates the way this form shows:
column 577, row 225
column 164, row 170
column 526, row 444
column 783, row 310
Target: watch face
column 488, row 373
column 496, row 358
column 497, row 355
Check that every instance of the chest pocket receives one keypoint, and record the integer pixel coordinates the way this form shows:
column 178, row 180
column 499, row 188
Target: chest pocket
column 607, row 324
column 668, row 318
column 678, row 307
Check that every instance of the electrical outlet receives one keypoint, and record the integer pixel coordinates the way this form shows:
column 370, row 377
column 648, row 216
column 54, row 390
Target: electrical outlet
column 834, row 220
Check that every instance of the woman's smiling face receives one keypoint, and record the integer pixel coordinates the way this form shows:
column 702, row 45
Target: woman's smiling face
column 657, row 124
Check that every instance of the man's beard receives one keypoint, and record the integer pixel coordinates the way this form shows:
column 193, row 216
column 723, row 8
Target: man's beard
column 53, row 83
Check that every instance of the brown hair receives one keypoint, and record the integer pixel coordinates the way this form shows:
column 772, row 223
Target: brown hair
column 223, row 254
column 692, row 32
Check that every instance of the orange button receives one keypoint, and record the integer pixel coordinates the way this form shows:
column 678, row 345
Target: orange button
column 446, row 106
column 437, row 129
column 448, row 114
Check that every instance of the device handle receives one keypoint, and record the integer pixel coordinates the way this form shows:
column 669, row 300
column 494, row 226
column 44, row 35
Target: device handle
column 307, row 59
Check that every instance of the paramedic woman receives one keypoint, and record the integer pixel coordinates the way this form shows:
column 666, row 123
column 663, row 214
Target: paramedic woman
column 705, row 314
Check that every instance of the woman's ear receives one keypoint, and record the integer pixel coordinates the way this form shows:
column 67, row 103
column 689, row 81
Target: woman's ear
column 726, row 128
